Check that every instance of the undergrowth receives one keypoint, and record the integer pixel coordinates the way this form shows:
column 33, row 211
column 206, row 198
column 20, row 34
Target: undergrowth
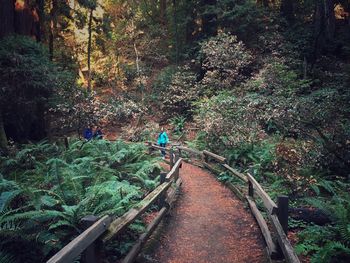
column 46, row 190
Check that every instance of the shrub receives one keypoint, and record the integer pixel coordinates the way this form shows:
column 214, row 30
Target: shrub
column 225, row 61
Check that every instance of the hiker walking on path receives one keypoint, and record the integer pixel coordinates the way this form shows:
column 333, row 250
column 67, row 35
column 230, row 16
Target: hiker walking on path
column 163, row 140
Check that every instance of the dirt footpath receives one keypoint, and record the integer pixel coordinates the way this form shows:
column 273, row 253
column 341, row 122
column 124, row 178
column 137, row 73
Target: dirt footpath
column 208, row 225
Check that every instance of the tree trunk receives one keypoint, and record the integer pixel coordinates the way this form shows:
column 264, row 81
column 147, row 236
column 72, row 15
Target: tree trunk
column 3, row 137
column 89, row 50
column 209, row 20
column 162, row 12
column 7, row 17
column 176, row 33
column 41, row 16
column 324, row 22
column 264, row 3
column 287, row 10
column 53, row 24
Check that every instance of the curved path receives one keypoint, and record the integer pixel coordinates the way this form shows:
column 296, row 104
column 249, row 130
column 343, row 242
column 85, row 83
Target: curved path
column 208, row 225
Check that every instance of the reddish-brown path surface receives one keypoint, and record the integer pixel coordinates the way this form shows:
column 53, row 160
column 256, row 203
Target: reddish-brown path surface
column 208, row 225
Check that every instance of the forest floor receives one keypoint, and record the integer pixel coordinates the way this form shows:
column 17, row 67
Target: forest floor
column 208, row 224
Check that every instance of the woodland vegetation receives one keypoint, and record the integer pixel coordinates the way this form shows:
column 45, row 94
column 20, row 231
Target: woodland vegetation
column 264, row 82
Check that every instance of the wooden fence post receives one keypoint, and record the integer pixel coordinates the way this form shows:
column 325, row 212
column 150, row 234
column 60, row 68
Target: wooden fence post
column 250, row 189
column 149, row 147
column 161, row 200
column 282, row 212
column 176, row 157
column 91, row 253
column 171, row 156
column 66, row 142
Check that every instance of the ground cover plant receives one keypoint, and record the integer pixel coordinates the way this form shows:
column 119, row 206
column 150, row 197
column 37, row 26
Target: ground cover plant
column 46, row 189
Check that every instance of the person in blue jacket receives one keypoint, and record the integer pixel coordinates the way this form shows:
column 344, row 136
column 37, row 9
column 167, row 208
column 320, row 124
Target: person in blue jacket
column 163, row 140
column 88, row 134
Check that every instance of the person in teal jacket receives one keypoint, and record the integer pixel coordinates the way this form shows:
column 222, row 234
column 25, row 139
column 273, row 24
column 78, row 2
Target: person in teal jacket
column 163, row 140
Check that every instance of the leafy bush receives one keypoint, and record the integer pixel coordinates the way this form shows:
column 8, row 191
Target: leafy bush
column 224, row 61
column 181, row 92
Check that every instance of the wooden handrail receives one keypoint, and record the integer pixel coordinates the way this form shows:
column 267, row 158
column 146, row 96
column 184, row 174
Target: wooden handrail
column 74, row 248
column 186, row 149
column 215, row 156
column 174, row 171
column 271, row 246
column 235, row 172
column 122, row 222
column 268, row 203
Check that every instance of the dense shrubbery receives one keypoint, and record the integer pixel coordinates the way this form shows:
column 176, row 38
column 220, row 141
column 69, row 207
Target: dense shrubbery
column 46, row 190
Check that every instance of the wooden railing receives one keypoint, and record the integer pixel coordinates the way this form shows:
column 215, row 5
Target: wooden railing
column 104, row 229
column 108, row 227
column 276, row 213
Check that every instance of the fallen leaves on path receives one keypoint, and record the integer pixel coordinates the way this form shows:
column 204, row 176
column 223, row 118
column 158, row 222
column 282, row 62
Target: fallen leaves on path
column 208, row 224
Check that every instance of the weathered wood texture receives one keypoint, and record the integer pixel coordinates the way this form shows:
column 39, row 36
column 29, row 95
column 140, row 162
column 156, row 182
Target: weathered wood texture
column 160, row 148
column 287, row 248
column 235, row 172
column 174, row 172
column 72, row 250
column 211, row 168
column 122, row 222
column 189, row 150
column 215, row 156
column 143, row 238
column 171, row 196
column 236, row 190
column 269, row 204
column 271, row 247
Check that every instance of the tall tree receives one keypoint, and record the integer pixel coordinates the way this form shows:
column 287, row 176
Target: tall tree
column 209, row 17
column 7, row 16
column 324, row 25
column 287, row 10
column 90, row 47
column 53, row 27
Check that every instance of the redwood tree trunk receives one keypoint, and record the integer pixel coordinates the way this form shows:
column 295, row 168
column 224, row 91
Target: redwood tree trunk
column 324, row 22
column 53, row 24
column 287, row 10
column 89, row 50
column 3, row 137
column 162, row 11
column 7, row 17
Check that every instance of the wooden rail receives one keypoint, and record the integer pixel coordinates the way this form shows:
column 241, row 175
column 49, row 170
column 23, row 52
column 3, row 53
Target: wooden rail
column 106, row 228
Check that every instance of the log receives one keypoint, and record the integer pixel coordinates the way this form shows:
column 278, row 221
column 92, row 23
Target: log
column 271, row 246
column 71, row 251
column 125, row 220
column 310, row 215
column 215, row 156
column 235, row 172
column 268, row 203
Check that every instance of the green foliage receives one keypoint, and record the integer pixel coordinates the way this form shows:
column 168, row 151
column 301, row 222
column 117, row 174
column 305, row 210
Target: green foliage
column 178, row 122
column 48, row 189
column 328, row 243
column 181, row 92
column 29, row 81
column 224, row 60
